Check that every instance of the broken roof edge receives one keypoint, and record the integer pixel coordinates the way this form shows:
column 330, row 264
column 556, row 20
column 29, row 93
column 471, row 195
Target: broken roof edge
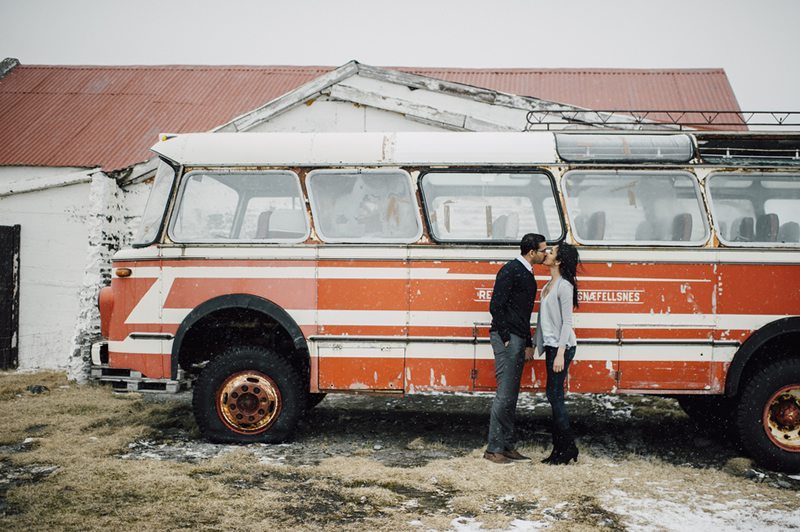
column 25, row 185
column 289, row 100
column 316, row 87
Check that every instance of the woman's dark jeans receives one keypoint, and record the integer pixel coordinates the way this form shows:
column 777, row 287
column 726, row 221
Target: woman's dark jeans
column 555, row 386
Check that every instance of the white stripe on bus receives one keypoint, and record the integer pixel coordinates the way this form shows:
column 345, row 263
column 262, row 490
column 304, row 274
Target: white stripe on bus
column 304, row 273
column 676, row 254
column 436, row 350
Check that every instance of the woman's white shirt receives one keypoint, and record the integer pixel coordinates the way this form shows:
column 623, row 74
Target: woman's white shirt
column 554, row 324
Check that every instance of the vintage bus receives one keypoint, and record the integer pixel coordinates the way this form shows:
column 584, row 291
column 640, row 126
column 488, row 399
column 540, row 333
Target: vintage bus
column 271, row 269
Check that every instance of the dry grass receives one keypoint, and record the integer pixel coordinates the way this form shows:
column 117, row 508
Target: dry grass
column 82, row 430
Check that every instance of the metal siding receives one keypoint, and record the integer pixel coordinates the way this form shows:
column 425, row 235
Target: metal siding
column 109, row 116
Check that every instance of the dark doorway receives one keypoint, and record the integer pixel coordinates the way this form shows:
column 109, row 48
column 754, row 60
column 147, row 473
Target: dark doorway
column 9, row 296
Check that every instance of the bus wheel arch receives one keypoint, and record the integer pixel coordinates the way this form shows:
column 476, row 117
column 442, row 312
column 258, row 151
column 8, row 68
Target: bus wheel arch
column 238, row 319
column 774, row 341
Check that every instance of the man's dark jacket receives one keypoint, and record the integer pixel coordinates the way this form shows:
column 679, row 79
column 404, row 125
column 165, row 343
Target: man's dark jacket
column 512, row 301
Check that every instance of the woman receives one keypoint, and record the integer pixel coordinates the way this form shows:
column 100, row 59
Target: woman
column 556, row 339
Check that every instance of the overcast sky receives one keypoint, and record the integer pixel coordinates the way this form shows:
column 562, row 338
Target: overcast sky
column 756, row 42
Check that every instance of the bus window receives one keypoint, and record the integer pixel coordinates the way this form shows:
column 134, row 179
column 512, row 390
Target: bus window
column 364, row 206
column 636, row 208
column 242, row 207
column 156, row 205
column 478, row 207
column 756, row 209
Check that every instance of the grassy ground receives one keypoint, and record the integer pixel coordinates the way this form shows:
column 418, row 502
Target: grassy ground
column 61, row 460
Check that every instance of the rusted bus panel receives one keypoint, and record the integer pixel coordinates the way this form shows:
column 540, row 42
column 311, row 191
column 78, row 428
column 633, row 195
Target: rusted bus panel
column 127, row 294
column 635, row 307
column 361, row 368
column 753, row 289
column 719, row 372
column 425, row 374
column 660, row 288
column 592, row 376
column 373, row 286
column 665, row 375
column 187, row 293
column 150, row 365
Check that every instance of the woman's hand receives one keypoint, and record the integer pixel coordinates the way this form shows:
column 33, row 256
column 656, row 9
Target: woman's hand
column 558, row 363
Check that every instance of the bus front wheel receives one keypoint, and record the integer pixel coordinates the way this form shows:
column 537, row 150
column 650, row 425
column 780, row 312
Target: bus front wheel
column 248, row 395
column 768, row 417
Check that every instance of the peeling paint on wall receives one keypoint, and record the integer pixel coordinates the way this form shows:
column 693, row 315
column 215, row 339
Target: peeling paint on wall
column 106, row 225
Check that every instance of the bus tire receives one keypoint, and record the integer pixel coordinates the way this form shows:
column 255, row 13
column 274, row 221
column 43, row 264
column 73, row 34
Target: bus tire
column 768, row 417
column 248, row 395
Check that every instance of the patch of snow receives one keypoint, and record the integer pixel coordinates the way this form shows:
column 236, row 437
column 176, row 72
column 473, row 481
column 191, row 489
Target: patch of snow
column 649, row 514
column 470, row 524
column 615, row 405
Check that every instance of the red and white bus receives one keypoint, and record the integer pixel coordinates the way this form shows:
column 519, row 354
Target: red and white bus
column 274, row 268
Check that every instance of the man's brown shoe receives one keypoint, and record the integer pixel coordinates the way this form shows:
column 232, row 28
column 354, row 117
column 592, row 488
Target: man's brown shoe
column 498, row 458
column 514, row 456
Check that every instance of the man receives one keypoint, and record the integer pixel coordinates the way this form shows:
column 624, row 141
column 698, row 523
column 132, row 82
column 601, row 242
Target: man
column 510, row 336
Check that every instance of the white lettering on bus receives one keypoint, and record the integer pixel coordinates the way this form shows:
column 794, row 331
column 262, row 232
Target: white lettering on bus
column 625, row 297
column 482, row 294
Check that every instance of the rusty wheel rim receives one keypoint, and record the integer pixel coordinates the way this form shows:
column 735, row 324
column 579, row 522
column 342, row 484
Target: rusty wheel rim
column 248, row 402
column 781, row 418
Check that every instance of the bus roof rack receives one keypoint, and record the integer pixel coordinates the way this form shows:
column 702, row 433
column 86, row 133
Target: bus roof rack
column 661, row 119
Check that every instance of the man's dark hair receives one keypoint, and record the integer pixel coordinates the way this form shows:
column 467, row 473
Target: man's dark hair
column 530, row 242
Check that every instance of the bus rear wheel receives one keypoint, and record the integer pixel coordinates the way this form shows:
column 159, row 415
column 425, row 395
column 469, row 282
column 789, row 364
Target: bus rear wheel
column 768, row 418
column 248, row 395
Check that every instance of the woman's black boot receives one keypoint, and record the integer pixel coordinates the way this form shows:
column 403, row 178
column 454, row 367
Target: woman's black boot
column 568, row 451
column 550, row 458
column 557, row 444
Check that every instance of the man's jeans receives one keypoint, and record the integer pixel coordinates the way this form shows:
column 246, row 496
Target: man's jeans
column 508, row 363
column 555, row 386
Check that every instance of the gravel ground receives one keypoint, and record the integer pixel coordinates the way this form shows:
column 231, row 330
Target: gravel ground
column 382, row 463
column 411, row 431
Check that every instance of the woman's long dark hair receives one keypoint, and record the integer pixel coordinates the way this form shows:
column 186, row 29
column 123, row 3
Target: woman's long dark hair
column 570, row 260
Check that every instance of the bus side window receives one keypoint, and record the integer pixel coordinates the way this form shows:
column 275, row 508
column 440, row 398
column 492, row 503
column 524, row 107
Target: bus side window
column 240, row 207
column 206, row 209
column 759, row 209
column 364, row 206
column 635, row 207
column 480, row 206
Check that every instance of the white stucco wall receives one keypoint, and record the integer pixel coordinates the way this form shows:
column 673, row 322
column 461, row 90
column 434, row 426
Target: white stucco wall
column 53, row 248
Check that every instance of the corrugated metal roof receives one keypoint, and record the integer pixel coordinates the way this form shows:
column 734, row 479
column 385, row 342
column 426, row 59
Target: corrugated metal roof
column 685, row 89
column 108, row 116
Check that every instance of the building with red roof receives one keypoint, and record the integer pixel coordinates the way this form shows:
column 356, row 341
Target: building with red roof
column 75, row 161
